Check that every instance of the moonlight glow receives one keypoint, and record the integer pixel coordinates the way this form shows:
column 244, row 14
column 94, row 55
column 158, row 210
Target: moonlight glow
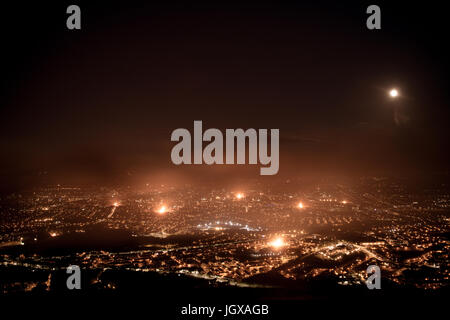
column 393, row 93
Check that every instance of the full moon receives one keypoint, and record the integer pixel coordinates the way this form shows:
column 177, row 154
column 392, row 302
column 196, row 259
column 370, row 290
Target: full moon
column 393, row 93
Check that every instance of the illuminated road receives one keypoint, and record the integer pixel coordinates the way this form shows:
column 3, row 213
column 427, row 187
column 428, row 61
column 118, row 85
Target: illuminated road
column 112, row 212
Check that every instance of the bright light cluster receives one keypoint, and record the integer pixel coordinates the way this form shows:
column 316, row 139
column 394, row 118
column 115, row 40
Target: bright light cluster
column 162, row 209
column 277, row 243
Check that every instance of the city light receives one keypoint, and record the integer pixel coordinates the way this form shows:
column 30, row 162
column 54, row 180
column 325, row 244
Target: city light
column 239, row 196
column 277, row 243
column 250, row 246
column 393, row 93
column 162, row 209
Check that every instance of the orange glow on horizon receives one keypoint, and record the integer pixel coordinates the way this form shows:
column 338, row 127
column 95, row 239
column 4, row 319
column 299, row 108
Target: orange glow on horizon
column 239, row 196
column 300, row 205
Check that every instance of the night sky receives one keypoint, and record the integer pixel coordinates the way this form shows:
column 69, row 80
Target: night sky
column 98, row 105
